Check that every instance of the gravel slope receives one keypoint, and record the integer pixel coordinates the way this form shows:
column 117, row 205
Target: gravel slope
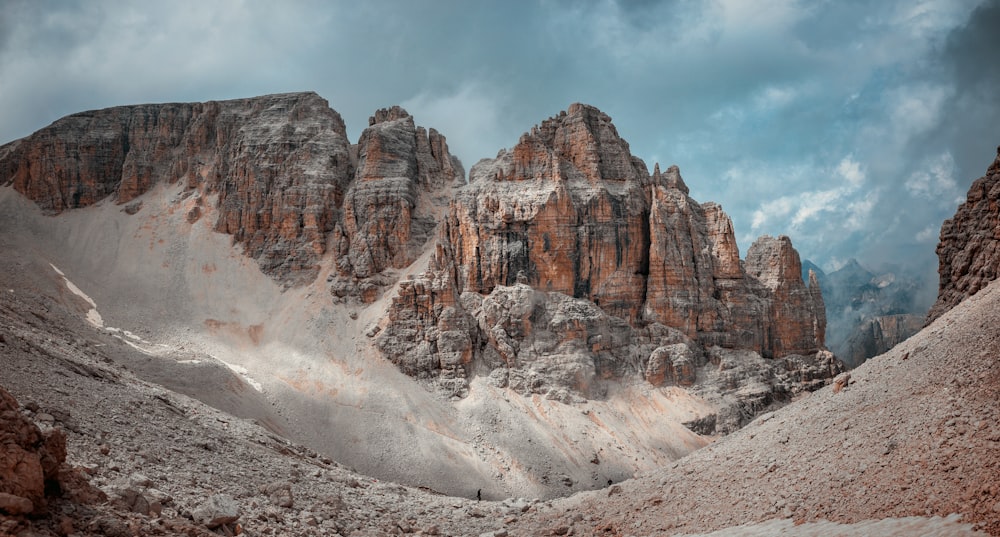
column 915, row 433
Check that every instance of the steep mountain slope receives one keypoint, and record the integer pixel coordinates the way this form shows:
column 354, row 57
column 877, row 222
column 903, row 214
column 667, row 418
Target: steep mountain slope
column 915, row 433
column 163, row 463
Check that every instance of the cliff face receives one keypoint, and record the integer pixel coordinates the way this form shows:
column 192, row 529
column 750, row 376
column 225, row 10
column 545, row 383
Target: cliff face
column 577, row 266
column 570, row 210
column 399, row 191
column 969, row 249
column 280, row 165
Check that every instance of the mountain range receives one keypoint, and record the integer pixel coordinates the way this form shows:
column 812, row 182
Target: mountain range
column 868, row 313
column 346, row 314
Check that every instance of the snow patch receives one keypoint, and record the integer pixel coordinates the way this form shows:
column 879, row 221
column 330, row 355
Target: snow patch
column 244, row 374
column 93, row 317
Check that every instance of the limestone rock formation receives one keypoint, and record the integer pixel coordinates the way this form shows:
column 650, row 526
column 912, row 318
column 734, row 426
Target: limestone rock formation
column 969, row 250
column 562, row 268
column 575, row 266
column 281, row 168
column 279, row 164
column 798, row 317
column 398, row 193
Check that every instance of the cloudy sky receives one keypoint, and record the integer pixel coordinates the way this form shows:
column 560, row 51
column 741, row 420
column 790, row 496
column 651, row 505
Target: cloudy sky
column 852, row 126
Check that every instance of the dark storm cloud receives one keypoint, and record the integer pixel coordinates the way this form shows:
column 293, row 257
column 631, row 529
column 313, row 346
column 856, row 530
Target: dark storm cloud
column 851, row 126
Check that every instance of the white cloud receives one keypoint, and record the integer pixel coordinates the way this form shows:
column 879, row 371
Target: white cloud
column 917, row 108
column 739, row 17
column 928, row 20
column 851, row 170
column 774, row 97
column 935, row 178
column 841, row 204
column 928, row 234
column 811, row 204
column 773, row 210
column 470, row 118
column 859, row 211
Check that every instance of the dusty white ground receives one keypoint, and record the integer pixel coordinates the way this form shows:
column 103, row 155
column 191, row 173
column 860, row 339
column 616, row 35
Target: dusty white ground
column 187, row 301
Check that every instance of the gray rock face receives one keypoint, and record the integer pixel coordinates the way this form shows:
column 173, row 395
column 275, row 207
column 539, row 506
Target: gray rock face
column 877, row 335
column 216, row 510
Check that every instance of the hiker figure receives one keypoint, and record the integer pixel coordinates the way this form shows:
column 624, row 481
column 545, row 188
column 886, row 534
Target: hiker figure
column 479, row 495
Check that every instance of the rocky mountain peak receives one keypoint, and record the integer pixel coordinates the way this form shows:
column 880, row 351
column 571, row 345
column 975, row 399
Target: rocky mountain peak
column 670, row 179
column 568, row 227
column 773, row 261
column 584, row 141
column 280, row 167
column 392, row 113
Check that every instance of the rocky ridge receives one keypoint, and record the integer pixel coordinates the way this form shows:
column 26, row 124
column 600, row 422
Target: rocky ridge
column 564, row 264
column 969, row 249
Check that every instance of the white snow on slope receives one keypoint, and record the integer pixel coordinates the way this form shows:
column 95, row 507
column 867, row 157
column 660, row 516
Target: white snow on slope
column 244, row 374
column 93, row 317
